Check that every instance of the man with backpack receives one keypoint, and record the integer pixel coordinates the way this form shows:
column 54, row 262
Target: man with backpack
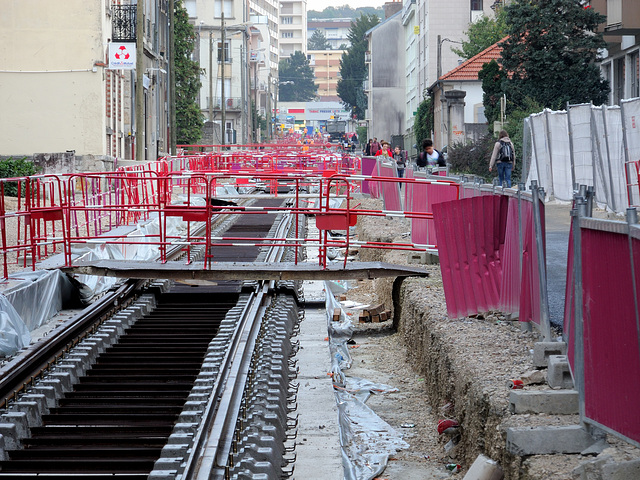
column 504, row 158
column 430, row 157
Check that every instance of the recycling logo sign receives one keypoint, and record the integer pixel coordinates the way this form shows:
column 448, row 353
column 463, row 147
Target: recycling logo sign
column 122, row 55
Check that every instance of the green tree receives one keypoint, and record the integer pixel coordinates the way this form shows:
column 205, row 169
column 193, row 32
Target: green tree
column 423, row 123
column 353, row 70
column 482, row 34
column 296, row 79
column 492, row 77
column 189, row 119
column 551, row 53
column 318, row 41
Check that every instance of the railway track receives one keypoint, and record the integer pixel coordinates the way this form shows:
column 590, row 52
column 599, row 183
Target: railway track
column 169, row 381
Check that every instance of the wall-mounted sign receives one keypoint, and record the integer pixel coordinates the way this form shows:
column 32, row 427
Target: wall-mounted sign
column 122, row 55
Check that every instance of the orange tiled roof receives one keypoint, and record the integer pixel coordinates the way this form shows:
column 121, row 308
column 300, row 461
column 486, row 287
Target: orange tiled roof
column 469, row 69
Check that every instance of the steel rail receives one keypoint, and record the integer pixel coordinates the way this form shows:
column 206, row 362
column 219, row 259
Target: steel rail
column 25, row 367
column 210, row 454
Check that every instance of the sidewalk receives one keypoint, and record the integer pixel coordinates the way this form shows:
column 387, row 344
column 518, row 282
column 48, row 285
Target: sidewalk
column 317, row 446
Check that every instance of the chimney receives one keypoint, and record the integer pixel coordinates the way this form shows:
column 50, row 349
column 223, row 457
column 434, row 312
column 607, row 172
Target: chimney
column 391, row 8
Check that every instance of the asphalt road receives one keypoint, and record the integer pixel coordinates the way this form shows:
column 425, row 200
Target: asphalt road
column 558, row 223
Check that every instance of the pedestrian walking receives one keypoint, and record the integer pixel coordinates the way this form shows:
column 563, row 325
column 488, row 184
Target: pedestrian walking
column 430, row 157
column 504, row 158
column 400, row 156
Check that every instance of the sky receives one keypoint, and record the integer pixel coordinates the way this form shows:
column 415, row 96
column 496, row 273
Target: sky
column 351, row 3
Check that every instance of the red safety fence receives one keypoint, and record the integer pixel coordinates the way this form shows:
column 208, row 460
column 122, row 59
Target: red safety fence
column 483, row 266
column 604, row 337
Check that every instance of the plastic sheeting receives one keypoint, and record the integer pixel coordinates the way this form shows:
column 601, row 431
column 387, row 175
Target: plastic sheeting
column 38, row 296
column 15, row 334
column 366, row 440
column 586, row 146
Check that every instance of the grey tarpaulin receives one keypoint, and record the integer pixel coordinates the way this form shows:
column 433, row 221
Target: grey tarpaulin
column 14, row 334
column 366, row 440
column 39, row 295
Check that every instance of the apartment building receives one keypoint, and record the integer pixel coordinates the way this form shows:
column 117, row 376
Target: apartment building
column 59, row 92
column 326, row 68
column 335, row 30
column 292, row 27
column 621, row 61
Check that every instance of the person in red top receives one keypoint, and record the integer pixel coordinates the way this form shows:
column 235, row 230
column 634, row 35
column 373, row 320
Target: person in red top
column 385, row 150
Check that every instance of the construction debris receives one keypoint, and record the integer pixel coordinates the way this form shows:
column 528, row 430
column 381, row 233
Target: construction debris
column 375, row 314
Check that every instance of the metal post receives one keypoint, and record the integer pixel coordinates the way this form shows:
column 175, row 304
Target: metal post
column 550, row 152
column 224, row 59
column 591, row 193
column 243, row 93
column 571, row 146
column 542, row 268
column 627, row 160
column 269, row 111
column 578, row 347
column 606, row 142
column 173, row 133
column 211, row 77
column 632, row 219
column 140, row 140
column 439, row 58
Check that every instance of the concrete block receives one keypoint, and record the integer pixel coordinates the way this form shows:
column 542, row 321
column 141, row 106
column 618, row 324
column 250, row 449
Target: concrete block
column 19, row 419
column 621, row 470
column 168, row 464
column 48, row 392
column 190, row 416
column 547, row 440
column 163, row 475
column 180, row 438
column 186, row 427
column 542, row 351
column 39, row 399
column 483, row 468
column 554, row 402
column 423, row 258
column 558, row 372
column 174, row 450
column 9, row 432
column 31, row 410
column 533, row 377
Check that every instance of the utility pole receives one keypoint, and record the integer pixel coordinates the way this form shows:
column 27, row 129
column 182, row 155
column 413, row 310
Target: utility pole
column 172, row 79
column 224, row 58
column 211, row 77
column 243, row 115
column 139, row 81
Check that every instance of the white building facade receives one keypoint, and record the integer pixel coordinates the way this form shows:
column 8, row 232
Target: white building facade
column 292, row 27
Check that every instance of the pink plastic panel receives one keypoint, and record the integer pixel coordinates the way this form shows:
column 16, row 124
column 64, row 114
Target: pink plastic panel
column 510, row 255
column 530, row 289
column 374, row 187
column 611, row 351
column 368, row 164
column 390, row 190
column 471, row 231
column 424, row 197
column 407, row 190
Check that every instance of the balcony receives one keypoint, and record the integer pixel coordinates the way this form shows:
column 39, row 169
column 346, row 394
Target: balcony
column 231, row 103
column 124, row 23
column 623, row 16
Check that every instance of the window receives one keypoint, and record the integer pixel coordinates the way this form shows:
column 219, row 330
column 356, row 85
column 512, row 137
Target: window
column 476, row 5
column 286, row 20
column 479, row 114
column 287, row 34
column 218, row 7
column 227, row 56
